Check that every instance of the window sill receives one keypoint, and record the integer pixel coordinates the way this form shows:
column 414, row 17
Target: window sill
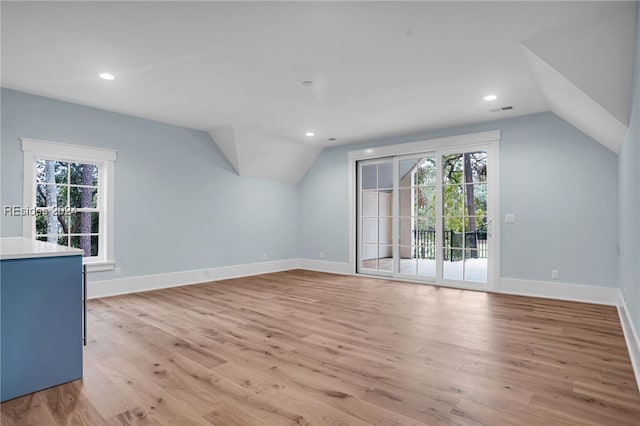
column 100, row 266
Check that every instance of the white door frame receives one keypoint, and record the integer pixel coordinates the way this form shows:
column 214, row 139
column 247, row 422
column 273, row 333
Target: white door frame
column 490, row 142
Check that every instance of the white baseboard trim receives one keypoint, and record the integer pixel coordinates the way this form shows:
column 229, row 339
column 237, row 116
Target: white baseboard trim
column 550, row 290
column 558, row 290
column 119, row 286
column 630, row 336
column 341, row 268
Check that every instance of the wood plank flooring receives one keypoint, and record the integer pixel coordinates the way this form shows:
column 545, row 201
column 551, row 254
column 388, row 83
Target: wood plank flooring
column 307, row 348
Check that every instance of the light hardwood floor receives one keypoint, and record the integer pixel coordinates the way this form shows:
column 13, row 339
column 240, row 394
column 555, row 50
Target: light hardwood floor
column 308, row 348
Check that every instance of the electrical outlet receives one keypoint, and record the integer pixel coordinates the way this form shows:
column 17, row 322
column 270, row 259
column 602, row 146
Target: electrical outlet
column 509, row 218
column 117, row 271
column 264, row 256
column 321, row 255
column 555, row 274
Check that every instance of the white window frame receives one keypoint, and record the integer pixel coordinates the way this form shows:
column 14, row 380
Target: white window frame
column 35, row 150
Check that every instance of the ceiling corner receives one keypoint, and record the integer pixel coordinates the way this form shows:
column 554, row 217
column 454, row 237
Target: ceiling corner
column 224, row 137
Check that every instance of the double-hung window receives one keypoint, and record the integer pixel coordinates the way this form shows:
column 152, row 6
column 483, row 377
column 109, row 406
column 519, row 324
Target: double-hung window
column 68, row 192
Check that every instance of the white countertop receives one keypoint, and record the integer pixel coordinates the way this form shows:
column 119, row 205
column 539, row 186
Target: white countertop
column 24, row 248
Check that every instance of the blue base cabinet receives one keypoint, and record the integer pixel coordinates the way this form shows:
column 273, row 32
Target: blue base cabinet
column 41, row 323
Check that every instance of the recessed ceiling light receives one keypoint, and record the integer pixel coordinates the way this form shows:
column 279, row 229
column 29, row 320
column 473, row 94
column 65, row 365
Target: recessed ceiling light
column 309, row 134
column 368, row 151
column 106, row 76
column 490, row 98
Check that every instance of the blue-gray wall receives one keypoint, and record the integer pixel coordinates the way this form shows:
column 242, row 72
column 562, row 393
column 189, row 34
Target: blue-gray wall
column 180, row 206
column 560, row 184
column 629, row 209
column 178, row 203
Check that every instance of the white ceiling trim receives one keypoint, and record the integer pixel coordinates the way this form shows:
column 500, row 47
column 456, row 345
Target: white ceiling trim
column 573, row 105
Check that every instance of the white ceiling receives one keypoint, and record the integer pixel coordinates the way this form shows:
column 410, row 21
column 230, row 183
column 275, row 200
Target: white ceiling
column 380, row 68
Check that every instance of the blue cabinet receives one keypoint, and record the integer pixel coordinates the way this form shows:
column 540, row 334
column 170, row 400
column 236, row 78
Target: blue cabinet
column 41, row 323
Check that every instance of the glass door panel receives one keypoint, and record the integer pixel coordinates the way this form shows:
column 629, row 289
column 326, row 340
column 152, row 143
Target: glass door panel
column 464, row 209
column 417, row 213
column 375, row 205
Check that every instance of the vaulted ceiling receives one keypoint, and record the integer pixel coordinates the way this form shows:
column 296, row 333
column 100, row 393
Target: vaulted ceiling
column 236, row 69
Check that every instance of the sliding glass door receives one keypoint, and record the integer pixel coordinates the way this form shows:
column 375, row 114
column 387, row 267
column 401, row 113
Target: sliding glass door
column 426, row 216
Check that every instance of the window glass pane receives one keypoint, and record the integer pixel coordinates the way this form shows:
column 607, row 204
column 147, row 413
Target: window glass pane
column 42, row 195
column 476, row 162
column 480, row 223
column 406, row 201
column 465, row 168
column 95, row 245
column 425, row 242
column 385, row 265
column 470, row 238
column 453, row 254
column 426, row 203
column 481, row 240
column 475, row 266
column 385, row 203
column 48, row 171
column 63, row 194
column 370, row 203
column 477, row 193
column 370, row 230
column 453, row 200
column 426, row 172
column 369, row 176
column 48, row 222
column 385, row 175
column 452, row 169
column 370, row 256
column 427, row 267
column 85, row 223
column 425, row 223
column 83, row 197
column 452, row 227
column 452, row 270
column 84, row 174
column 385, row 258
column 41, row 222
column 407, row 252
column 406, row 171
column 384, row 230
column 88, row 243
column 406, row 231
column 63, row 240
column 408, row 266
column 51, row 196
